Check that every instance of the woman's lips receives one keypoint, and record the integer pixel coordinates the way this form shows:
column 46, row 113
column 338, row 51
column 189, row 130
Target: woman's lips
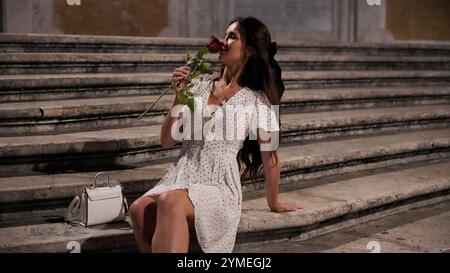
column 224, row 48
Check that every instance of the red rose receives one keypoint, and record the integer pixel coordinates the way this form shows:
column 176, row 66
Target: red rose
column 215, row 45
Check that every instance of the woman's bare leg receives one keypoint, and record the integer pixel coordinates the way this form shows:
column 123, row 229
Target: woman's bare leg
column 143, row 217
column 175, row 213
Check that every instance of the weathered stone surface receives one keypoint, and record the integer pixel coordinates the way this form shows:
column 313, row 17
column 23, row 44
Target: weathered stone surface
column 16, row 42
column 412, row 228
column 319, row 203
column 365, row 133
column 47, row 63
column 299, row 162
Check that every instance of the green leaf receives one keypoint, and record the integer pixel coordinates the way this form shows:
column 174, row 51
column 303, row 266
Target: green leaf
column 195, row 74
column 197, row 66
column 202, row 52
column 186, row 97
column 183, row 98
column 205, row 68
column 188, row 56
column 191, row 104
column 189, row 93
column 194, row 66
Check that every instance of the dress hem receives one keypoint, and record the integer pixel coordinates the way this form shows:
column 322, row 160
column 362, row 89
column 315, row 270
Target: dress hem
column 158, row 192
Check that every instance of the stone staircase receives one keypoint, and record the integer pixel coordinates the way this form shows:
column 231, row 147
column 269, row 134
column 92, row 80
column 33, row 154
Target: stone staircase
column 365, row 133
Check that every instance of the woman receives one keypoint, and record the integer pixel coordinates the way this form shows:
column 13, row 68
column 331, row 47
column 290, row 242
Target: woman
column 202, row 189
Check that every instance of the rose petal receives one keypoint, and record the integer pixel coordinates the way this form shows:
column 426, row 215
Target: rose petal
column 214, row 45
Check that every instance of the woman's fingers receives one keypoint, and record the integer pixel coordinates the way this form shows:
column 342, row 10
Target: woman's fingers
column 180, row 77
column 181, row 74
column 183, row 69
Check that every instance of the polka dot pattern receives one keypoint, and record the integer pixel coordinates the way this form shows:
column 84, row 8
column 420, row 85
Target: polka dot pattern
column 210, row 172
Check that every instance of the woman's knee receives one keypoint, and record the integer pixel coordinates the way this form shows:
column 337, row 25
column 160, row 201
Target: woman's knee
column 137, row 208
column 172, row 202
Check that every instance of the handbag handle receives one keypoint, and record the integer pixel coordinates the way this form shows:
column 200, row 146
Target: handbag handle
column 73, row 210
column 95, row 180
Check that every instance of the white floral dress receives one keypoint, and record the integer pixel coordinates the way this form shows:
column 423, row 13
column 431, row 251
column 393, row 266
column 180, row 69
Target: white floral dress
column 208, row 168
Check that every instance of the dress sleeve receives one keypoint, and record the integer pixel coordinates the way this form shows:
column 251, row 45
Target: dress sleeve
column 264, row 124
column 200, row 83
column 267, row 115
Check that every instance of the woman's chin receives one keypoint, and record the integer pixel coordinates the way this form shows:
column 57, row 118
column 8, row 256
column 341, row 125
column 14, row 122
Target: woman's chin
column 221, row 61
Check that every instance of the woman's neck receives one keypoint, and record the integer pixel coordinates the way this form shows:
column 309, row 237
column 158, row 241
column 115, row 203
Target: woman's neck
column 231, row 75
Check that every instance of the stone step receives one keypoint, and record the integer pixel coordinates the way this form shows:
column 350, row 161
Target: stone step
column 300, row 161
column 59, row 63
column 72, row 63
column 338, row 203
column 72, row 86
column 56, row 43
column 329, row 79
column 325, row 202
column 309, row 100
column 413, row 227
column 116, row 147
column 57, row 116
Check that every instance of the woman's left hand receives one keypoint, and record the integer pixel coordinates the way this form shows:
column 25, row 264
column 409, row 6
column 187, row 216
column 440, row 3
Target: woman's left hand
column 283, row 207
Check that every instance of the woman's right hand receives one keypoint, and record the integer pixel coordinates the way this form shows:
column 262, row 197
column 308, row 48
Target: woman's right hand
column 180, row 78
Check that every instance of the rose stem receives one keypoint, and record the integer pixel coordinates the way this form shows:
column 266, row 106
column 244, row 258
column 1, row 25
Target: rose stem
column 150, row 107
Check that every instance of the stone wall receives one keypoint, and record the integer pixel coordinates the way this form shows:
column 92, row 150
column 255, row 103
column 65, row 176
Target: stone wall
column 371, row 23
column 419, row 20
column 117, row 17
column 293, row 19
column 325, row 20
column 26, row 16
column 1, row 15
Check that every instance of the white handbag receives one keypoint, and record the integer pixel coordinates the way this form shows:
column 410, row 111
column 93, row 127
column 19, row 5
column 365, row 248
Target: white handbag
column 95, row 206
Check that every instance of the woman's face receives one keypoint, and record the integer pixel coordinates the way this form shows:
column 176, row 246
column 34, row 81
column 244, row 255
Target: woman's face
column 235, row 53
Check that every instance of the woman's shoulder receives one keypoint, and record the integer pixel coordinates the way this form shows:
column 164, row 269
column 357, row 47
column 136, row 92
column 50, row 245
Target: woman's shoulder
column 201, row 83
column 259, row 96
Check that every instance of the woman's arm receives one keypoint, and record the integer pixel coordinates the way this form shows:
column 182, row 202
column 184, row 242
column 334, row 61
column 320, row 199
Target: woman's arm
column 179, row 82
column 272, row 173
column 166, row 139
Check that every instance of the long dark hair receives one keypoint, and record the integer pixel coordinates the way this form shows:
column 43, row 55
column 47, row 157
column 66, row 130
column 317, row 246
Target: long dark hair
column 261, row 72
